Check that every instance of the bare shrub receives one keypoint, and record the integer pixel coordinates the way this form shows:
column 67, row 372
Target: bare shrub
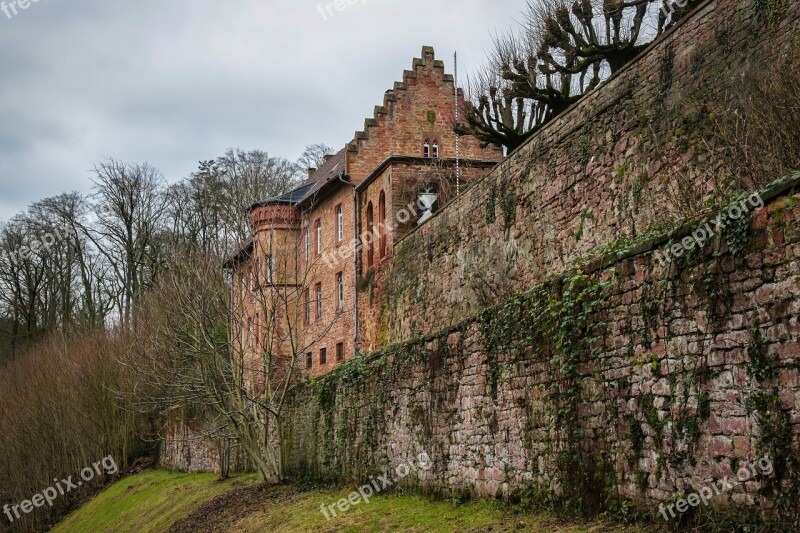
column 64, row 406
column 759, row 132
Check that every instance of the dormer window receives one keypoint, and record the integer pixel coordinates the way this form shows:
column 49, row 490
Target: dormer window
column 426, row 150
column 436, row 149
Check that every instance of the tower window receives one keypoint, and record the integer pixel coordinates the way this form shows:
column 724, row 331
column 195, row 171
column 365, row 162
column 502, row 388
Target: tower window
column 339, row 223
column 340, row 351
column 383, row 223
column 370, row 234
column 426, row 149
column 323, row 356
column 307, row 298
column 319, row 301
column 436, row 149
column 309, row 360
column 319, row 237
column 340, row 291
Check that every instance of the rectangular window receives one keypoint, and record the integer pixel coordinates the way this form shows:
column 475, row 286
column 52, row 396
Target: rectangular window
column 250, row 333
column 319, row 301
column 339, row 224
column 309, row 360
column 268, row 263
column 307, row 244
column 340, row 351
column 339, row 292
column 323, row 356
column 308, row 306
column 319, row 237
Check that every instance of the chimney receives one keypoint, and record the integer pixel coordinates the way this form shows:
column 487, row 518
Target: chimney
column 311, row 172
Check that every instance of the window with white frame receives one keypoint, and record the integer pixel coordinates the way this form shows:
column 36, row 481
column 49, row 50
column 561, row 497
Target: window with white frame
column 340, row 291
column 319, row 237
column 339, row 223
column 319, row 301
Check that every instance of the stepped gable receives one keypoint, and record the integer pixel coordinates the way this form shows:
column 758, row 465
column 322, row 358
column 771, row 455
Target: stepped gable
column 393, row 95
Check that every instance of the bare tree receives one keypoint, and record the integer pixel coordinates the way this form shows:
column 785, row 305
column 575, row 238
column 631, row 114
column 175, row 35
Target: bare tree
column 130, row 203
column 22, row 283
column 248, row 177
column 232, row 348
column 198, row 211
column 314, row 156
column 82, row 263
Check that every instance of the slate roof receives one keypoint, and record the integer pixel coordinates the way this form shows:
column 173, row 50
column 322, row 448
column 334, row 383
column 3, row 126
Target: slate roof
column 330, row 171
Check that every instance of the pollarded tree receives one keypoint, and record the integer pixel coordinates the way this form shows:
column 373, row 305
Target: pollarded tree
column 504, row 111
column 562, row 51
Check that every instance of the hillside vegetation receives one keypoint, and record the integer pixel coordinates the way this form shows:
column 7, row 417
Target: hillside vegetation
column 161, row 501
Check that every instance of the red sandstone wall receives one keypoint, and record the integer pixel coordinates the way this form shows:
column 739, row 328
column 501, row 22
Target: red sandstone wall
column 185, row 449
column 684, row 373
column 401, row 183
column 687, row 373
column 333, row 327
column 614, row 167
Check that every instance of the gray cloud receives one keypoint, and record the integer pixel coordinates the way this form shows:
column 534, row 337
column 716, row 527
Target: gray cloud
column 173, row 82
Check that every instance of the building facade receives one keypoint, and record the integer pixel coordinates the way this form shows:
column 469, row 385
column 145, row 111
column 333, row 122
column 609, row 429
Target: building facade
column 306, row 284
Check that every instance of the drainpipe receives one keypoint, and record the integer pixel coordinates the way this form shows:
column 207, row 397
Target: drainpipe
column 355, row 262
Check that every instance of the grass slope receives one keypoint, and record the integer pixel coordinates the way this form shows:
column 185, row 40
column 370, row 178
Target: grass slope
column 163, row 501
column 148, row 502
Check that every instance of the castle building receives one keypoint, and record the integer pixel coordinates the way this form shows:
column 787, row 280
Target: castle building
column 307, row 283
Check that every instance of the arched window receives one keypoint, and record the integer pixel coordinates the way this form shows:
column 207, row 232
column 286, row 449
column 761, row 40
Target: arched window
column 426, row 149
column 370, row 235
column 436, row 149
column 382, row 223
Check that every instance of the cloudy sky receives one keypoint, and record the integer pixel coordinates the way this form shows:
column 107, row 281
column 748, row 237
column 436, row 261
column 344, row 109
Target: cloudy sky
column 172, row 82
